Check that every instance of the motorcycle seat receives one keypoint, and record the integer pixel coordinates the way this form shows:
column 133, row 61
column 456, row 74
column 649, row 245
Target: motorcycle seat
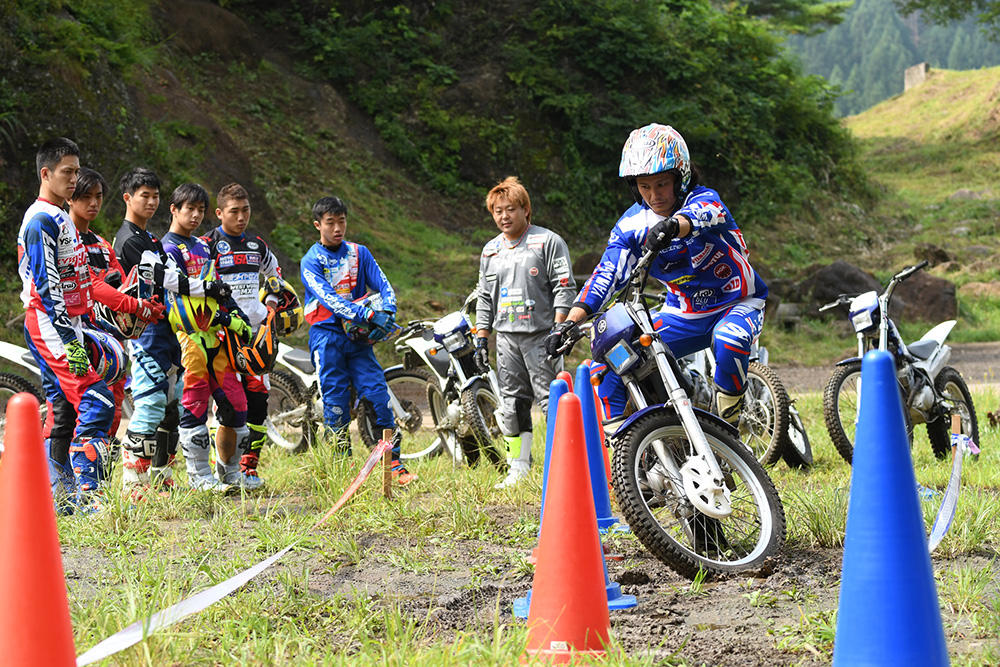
column 922, row 348
column 301, row 360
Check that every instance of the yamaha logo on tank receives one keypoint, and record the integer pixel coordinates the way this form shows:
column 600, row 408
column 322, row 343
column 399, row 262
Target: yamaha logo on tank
column 602, row 326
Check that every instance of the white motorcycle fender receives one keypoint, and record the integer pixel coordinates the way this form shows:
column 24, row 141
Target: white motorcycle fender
column 940, row 332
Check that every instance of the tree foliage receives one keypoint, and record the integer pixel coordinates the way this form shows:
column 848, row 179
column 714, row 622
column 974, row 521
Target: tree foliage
column 986, row 12
column 467, row 94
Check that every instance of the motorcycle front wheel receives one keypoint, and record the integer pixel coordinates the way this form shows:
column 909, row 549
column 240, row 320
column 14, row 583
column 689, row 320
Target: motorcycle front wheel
column 796, row 451
column 479, row 405
column 289, row 421
column 658, row 511
column 11, row 384
column 415, row 425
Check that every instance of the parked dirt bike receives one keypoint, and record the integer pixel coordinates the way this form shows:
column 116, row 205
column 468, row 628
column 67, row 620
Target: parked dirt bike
column 295, row 406
column 931, row 390
column 692, row 493
column 465, row 403
column 13, row 383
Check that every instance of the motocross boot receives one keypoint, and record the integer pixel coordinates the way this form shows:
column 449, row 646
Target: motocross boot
column 161, row 472
column 249, row 449
column 62, row 481
column 137, row 456
column 518, row 459
column 88, row 456
column 195, row 444
column 729, row 407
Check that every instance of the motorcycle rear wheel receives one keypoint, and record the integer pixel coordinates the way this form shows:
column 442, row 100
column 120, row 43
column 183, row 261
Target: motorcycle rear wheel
column 764, row 418
column 951, row 385
column 665, row 521
column 286, row 394
column 10, row 384
column 418, row 435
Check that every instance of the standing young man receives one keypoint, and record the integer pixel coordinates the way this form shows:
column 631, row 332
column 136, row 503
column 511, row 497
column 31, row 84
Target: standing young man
column 52, row 264
column 241, row 259
column 207, row 374
column 335, row 273
column 526, row 286
column 151, row 439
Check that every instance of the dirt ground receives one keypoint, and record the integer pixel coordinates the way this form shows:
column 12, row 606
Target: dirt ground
column 979, row 363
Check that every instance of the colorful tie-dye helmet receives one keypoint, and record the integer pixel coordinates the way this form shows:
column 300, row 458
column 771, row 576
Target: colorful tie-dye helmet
column 654, row 149
column 190, row 314
column 107, row 355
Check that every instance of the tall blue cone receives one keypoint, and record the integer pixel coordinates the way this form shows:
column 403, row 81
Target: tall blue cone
column 556, row 389
column 595, row 457
column 888, row 613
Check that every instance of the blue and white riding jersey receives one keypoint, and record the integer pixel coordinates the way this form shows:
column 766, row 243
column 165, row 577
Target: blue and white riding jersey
column 704, row 272
column 334, row 277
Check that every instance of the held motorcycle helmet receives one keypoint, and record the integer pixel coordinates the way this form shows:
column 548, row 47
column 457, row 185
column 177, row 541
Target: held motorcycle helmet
column 361, row 333
column 107, row 355
column 654, row 149
column 255, row 356
column 126, row 325
column 190, row 314
column 288, row 312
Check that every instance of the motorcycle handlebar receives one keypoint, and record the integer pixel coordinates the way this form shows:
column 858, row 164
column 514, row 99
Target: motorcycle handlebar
column 910, row 270
column 842, row 300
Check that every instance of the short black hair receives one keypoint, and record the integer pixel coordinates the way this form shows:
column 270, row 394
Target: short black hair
column 331, row 205
column 52, row 152
column 86, row 181
column 137, row 178
column 189, row 193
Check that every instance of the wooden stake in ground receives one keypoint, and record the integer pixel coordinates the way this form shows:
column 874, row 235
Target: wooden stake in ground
column 956, row 427
column 387, row 465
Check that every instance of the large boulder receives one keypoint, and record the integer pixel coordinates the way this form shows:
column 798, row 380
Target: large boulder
column 826, row 283
column 927, row 298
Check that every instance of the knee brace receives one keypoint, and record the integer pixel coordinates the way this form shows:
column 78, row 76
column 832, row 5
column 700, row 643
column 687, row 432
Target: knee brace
column 195, row 443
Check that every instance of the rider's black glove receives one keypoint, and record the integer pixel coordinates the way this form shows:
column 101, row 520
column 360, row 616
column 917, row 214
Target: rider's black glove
column 661, row 234
column 483, row 354
column 562, row 338
column 217, row 289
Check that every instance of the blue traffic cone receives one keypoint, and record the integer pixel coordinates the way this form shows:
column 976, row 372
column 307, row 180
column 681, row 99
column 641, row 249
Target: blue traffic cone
column 888, row 612
column 595, row 457
column 556, row 390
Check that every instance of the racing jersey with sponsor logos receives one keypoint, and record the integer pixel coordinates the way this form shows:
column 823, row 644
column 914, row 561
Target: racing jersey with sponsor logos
column 52, row 265
column 241, row 261
column 704, row 272
column 102, row 260
column 334, row 277
column 524, row 283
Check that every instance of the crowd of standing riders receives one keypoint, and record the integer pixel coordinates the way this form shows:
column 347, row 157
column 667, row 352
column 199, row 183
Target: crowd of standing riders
column 194, row 316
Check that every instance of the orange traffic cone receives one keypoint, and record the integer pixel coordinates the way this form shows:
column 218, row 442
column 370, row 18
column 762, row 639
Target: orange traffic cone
column 569, row 606
column 35, row 627
column 564, row 375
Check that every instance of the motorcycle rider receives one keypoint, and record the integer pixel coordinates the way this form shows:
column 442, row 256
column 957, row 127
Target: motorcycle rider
column 56, row 293
column 335, row 273
column 152, row 437
column 714, row 297
column 525, row 286
column 241, row 259
column 207, row 374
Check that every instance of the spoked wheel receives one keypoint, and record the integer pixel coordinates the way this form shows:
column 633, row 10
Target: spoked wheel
column 841, row 401
column 289, row 422
column 11, row 384
column 413, row 413
column 479, row 405
column 764, row 418
column 650, row 491
column 796, row 450
column 950, row 384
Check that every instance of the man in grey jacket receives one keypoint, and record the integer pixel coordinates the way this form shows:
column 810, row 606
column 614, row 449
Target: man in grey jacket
column 525, row 286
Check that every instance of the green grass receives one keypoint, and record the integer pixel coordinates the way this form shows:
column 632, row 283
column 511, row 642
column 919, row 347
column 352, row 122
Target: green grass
column 364, row 587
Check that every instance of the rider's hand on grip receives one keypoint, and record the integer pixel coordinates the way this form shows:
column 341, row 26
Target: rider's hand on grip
column 562, row 338
column 661, row 234
column 382, row 325
column 483, row 354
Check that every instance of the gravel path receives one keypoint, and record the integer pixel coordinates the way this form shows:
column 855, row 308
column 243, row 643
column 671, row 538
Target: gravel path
column 979, row 363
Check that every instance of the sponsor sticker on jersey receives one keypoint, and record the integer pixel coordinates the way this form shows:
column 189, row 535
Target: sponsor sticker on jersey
column 225, row 261
column 733, row 285
column 535, row 240
column 680, row 280
column 722, row 271
column 563, row 282
column 700, row 257
column 252, row 245
column 715, row 258
column 533, row 271
column 559, row 265
column 223, row 247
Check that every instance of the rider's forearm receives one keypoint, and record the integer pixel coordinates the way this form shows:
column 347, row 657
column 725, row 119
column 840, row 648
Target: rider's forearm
column 576, row 314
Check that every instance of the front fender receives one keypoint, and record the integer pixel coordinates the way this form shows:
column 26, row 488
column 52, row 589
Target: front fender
column 844, row 362
column 705, row 414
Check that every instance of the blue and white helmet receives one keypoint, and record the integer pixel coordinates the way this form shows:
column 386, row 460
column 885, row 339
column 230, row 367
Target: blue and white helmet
column 653, row 149
column 106, row 354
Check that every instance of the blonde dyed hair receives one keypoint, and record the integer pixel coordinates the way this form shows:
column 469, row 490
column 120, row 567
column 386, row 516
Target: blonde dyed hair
column 511, row 190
